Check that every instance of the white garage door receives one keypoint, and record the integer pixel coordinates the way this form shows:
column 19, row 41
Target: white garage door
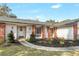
column 66, row 32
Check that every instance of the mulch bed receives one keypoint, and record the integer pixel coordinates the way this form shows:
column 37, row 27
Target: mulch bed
column 67, row 43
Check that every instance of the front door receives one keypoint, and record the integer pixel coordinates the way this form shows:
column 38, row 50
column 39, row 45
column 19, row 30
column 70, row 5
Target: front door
column 21, row 31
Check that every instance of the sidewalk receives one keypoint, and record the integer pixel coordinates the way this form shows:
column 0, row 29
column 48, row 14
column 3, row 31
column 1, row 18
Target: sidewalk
column 25, row 43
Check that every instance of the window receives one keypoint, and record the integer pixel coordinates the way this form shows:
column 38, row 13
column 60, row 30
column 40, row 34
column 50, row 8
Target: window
column 20, row 28
column 29, row 28
column 38, row 31
column 12, row 27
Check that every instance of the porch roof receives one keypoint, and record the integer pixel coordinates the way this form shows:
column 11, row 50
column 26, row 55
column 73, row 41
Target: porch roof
column 65, row 23
column 15, row 20
column 5, row 19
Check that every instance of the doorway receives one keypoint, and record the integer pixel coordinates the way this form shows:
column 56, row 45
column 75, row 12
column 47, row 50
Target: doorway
column 21, row 31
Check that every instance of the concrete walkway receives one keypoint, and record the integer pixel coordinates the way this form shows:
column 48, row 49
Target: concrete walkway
column 25, row 43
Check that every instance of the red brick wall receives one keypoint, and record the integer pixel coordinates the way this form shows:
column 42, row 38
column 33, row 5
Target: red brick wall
column 33, row 29
column 49, row 32
column 2, row 32
column 43, row 32
column 52, row 32
column 75, row 31
column 55, row 33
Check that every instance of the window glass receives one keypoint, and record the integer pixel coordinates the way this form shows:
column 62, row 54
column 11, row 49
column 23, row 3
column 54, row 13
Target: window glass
column 29, row 28
column 20, row 28
column 12, row 27
column 38, row 30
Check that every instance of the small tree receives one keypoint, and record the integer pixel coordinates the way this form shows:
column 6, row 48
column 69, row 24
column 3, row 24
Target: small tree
column 32, row 38
column 11, row 37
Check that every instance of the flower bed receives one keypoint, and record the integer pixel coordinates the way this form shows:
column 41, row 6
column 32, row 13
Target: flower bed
column 59, row 42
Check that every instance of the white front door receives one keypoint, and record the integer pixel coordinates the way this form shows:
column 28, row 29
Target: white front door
column 21, row 32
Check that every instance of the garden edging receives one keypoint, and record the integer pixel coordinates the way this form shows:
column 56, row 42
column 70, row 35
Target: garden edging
column 25, row 43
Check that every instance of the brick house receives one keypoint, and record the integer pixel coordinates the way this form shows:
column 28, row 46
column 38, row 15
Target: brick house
column 21, row 28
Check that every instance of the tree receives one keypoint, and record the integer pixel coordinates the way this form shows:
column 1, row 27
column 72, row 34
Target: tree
column 6, row 11
column 11, row 37
column 66, row 20
column 32, row 38
column 50, row 20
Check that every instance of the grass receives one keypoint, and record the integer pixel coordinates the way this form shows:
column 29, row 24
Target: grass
column 20, row 50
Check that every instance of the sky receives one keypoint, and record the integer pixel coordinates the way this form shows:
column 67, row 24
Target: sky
column 45, row 11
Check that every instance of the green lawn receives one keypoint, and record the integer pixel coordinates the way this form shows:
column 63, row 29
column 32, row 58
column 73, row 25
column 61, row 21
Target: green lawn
column 19, row 50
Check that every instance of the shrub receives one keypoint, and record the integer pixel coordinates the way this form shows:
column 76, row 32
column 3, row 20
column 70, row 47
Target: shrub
column 75, row 42
column 28, row 39
column 55, row 42
column 49, row 41
column 32, row 38
column 61, row 41
column 11, row 37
